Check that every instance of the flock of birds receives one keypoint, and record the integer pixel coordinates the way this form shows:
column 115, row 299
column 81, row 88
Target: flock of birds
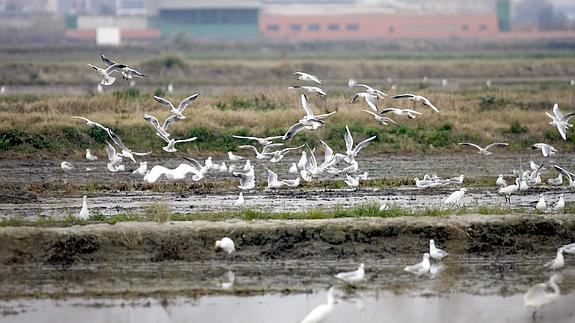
column 309, row 167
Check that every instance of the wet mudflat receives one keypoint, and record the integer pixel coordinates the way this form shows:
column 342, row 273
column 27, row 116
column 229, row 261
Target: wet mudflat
column 22, row 174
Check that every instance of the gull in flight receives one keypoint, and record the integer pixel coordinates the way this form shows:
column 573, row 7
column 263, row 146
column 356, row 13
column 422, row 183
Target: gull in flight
column 369, row 98
column 436, row 253
column 558, row 262
column 163, row 129
column 546, row 150
column 226, row 244
column 411, row 114
column 455, row 197
column 560, row 121
column 420, row 268
column 262, row 141
column 309, row 121
column 352, row 277
column 181, row 107
column 265, row 150
column 372, row 91
column 383, row 120
column 279, row 154
column 273, row 181
column 417, row 98
column 90, row 156
column 484, row 151
column 538, row 295
column 67, row 166
column 84, row 213
column 126, row 152
column 240, row 201
column 309, row 89
column 351, row 152
column 307, row 77
column 536, row 167
column 247, row 179
column 321, row 312
column 114, row 158
column 567, row 174
column 105, row 73
column 128, row 73
column 171, row 143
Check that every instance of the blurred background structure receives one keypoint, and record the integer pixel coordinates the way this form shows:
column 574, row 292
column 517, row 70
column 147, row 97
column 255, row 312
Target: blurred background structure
column 119, row 21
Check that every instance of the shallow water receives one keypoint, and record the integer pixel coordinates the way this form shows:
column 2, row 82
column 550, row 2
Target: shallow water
column 470, row 288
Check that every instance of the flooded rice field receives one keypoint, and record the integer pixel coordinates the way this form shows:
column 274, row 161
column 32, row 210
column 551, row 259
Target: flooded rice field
column 21, row 174
column 467, row 288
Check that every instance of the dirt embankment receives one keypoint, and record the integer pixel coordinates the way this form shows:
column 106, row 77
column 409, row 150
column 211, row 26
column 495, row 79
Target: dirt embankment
column 266, row 240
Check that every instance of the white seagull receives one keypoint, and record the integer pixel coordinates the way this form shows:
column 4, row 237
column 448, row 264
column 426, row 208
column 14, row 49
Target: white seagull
column 417, row 98
column 541, row 205
column 538, row 296
column 352, row 152
column 351, row 181
column 181, row 107
column 411, row 114
column 310, row 89
column 455, row 197
column 501, row 181
column 90, row 156
column 247, row 179
column 557, row 181
column 484, row 151
column 171, row 143
column 560, row 121
column 307, row 77
column 273, row 181
column 265, row 150
column 142, row 169
column 240, row 201
column 546, row 150
column 84, row 213
column 383, row 120
column 226, row 244
column 436, row 253
column 420, row 268
column 569, row 248
column 233, row 157
column 369, row 98
column 372, row 91
column 558, row 262
column 161, row 129
column 279, row 154
column 352, row 277
column 128, row 73
column 309, row 121
column 262, row 141
column 559, row 206
column 567, row 174
column 105, row 73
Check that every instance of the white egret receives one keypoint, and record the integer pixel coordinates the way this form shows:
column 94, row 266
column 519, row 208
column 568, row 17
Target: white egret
column 226, row 244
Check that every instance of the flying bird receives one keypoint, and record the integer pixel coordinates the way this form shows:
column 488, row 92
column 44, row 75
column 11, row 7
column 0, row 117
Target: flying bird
column 417, row 98
column 309, row 121
column 307, row 77
column 560, row 121
column 309, row 89
column 411, row 114
column 105, row 73
column 382, row 120
column 372, row 91
column 262, row 141
column 352, row 152
column 546, row 150
column 369, row 98
column 181, row 107
column 484, row 151
column 128, row 73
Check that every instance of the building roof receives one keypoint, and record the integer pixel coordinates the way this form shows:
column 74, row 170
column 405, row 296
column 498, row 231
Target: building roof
column 205, row 4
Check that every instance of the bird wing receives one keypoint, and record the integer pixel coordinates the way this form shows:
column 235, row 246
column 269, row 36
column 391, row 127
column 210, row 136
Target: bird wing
column 293, row 130
column 286, row 150
column 114, row 67
column 557, row 112
column 470, row 144
column 370, row 99
column 245, row 137
column 94, row 67
column 185, row 102
column 266, row 148
column 564, row 171
column 389, row 110
column 107, row 60
column 362, row 145
column 367, row 87
column 186, row 140
column 355, row 96
column 327, row 151
column 111, row 151
column 348, row 139
column 390, row 120
column 163, row 101
column 272, row 177
column 324, row 116
column 136, row 72
column 193, row 161
column 429, row 104
column 271, row 138
column 295, row 87
column 404, row 96
column 170, row 121
column 371, row 112
column 90, row 123
column 412, row 111
column 497, row 144
column 306, row 106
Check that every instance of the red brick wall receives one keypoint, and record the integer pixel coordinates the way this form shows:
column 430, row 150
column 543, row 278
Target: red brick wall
column 334, row 27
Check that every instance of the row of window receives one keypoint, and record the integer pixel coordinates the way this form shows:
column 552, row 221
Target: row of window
column 314, row 27
column 350, row 27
